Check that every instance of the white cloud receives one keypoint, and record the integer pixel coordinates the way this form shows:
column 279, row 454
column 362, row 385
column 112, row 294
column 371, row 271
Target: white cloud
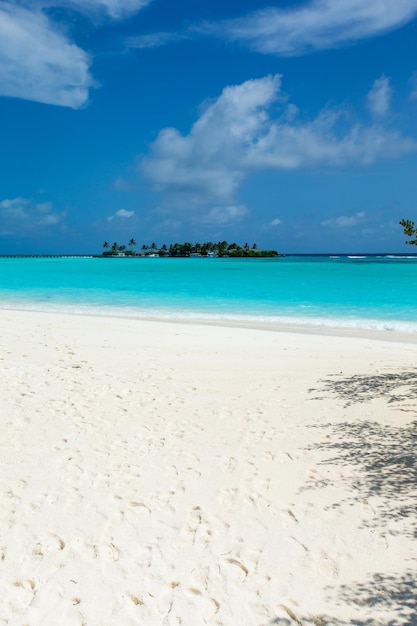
column 318, row 25
column 155, row 40
column 21, row 217
column 121, row 213
column 379, row 97
column 37, row 63
column 344, row 221
column 225, row 214
column 272, row 225
column 208, row 160
column 115, row 9
column 241, row 132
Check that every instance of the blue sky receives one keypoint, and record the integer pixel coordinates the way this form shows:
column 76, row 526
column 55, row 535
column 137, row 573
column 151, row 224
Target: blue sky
column 288, row 124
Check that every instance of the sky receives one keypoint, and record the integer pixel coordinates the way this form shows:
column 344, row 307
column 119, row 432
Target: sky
column 289, row 124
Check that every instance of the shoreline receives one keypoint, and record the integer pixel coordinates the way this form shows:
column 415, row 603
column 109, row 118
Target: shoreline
column 325, row 297
column 185, row 473
column 321, row 329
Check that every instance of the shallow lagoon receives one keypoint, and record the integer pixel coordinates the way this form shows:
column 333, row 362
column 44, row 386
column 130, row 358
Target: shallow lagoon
column 364, row 291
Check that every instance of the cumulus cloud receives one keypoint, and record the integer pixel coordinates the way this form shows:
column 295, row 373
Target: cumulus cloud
column 248, row 129
column 379, row 97
column 317, row 25
column 344, row 221
column 271, row 225
column 208, row 160
column 121, row 213
column 21, row 217
column 38, row 63
column 225, row 214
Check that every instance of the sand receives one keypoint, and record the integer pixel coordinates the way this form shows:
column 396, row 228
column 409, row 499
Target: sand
column 164, row 474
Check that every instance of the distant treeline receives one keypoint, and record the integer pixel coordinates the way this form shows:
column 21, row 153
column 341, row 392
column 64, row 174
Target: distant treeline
column 210, row 248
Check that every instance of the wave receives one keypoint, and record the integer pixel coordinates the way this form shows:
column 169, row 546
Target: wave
column 190, row 316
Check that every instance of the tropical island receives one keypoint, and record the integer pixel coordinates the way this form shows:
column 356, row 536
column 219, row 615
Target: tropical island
column 208, row 249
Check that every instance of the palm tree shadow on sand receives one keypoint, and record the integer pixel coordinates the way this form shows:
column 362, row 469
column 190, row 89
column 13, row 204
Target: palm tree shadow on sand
column 382, row 592
column 385, row 462
column 395, row 387
column 384, row 456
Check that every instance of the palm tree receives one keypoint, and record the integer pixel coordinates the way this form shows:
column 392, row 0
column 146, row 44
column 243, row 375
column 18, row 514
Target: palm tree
column 410, row 230
column 131, row 244
column 106, row 244
column 221, row 247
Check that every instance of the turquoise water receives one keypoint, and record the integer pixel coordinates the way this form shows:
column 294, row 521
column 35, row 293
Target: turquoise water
column 362, row 292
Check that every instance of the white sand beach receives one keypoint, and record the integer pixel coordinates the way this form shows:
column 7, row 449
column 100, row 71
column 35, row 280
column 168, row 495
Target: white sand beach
column 161, row 474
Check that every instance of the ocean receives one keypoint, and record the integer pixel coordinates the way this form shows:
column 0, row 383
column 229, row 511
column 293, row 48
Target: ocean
column 363, row 291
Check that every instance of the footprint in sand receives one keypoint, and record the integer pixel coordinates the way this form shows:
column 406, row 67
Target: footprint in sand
column 143, row 556
column 204, row 604
column 228, row 497
column 107, row 551
column 139, row 508
column 229, row 464
column 47, row 544
column 19, row 595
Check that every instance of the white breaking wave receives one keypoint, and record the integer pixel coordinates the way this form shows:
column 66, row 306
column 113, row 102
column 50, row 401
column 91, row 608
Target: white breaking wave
column 261, row 321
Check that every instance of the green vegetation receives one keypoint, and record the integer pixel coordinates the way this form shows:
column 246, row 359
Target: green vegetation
column 410, row 230
column 210, row 248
